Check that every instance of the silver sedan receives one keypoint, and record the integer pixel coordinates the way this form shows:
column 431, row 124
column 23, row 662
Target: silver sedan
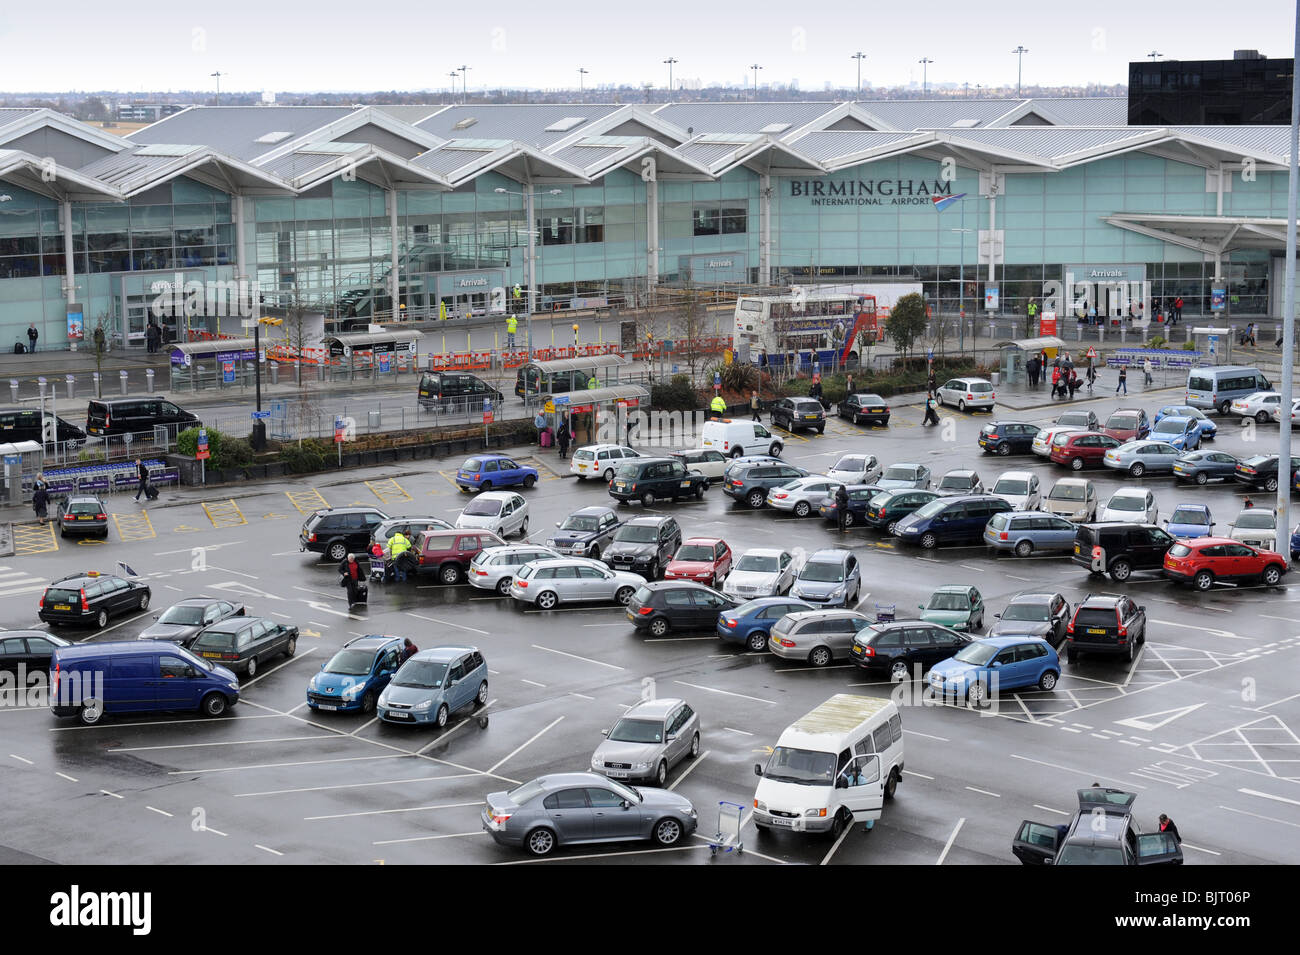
column 802, row 495
column 1142, row 457
column 648, row 740
column 547, row 583
column 760, row 572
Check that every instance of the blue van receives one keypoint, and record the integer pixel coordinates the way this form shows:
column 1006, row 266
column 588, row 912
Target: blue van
column 1216, row 388
column 90, row 679
column 950, row 520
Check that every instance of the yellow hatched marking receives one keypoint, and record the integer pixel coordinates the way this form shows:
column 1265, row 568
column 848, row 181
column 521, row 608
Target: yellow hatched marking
column 388, row 491
column 34, row 539
column 86, row 541
column 134, row 527
column 451, row 479
column 544, row 470
column 306, row 501
column 224, row 513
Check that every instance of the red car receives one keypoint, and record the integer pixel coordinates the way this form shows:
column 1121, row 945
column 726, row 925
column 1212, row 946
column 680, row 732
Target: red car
column 1127, row 424
column 705, row 560
column 1203, row 560
column 1079, row 449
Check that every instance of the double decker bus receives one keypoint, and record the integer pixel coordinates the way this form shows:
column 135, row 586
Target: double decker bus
column 804, row 325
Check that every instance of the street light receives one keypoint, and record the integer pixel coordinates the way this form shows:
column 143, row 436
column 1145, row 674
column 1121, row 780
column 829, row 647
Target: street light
column 1154, row 55
column 859, row 56
column 218, row 76
column 453, row 74
column 581, row 74
column 259, row 424
column 532, row 265
column 961, row 278
column 1020, row 52
column 670, row 61
column 464, row 70
column 925, row 62
column 755, row 67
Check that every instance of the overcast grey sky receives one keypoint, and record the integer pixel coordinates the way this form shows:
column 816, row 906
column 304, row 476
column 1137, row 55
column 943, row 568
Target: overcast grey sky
column 383, row 45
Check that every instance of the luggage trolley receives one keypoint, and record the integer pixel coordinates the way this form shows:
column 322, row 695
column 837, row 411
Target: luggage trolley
column 727, row 837
column 885, row 612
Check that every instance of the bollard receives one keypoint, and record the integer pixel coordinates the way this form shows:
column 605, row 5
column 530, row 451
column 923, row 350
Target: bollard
column 1187, row 333
column 13, row 390
column 148, row 380
column 122, row 377
column 993, row 329
column 320, row 372
column 1079, row 329
column 1123, row 334
column 275, row 372
column 72, row 386
column 1101, row 334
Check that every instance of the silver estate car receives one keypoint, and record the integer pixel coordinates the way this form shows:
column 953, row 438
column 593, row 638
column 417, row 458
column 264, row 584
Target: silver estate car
column 493, row 568
column 575, row 808
column 547, row 583
column 830, row 577
column 648, row 740
column 817, row 636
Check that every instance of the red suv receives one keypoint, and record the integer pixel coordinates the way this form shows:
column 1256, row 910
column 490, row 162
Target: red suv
column 1079, row 449
column 703, row 559
column 448, row 553
column 1204, row 560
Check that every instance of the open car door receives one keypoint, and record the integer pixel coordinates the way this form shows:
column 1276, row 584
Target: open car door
column 861, row 789
column 1159, row 848
column 1036, row 843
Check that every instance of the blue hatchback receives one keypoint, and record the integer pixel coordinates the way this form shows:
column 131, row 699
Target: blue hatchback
column 750, row 623
column 985, row 667
column 1206, row 426
column 1190, row 520
column 483, row 472
column 355, row 676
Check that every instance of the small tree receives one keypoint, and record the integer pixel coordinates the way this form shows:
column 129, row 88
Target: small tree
column 692, row 327
column 99, row 342
column 906, row 322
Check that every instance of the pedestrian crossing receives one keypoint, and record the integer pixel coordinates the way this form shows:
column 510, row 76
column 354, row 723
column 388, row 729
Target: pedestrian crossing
column 14, row 583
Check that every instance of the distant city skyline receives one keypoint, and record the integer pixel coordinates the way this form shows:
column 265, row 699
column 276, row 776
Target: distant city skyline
column 516, row 45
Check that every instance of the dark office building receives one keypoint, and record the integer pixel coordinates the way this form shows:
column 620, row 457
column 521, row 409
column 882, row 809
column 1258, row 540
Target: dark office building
column 1248, row 90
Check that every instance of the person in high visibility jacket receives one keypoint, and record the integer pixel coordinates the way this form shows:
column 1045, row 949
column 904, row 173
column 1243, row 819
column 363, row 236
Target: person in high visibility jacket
column 398, row 545
column 593, row 382
column 512, row 325
column 442, row 311
column 718, row 406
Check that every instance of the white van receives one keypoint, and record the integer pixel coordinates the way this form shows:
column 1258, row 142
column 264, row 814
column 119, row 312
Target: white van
column 832, row 767
column 736, row 436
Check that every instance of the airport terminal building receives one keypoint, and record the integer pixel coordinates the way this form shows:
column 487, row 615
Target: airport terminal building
column 351, row 211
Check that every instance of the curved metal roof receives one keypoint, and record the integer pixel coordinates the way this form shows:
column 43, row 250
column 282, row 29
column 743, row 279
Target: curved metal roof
column 579, row 364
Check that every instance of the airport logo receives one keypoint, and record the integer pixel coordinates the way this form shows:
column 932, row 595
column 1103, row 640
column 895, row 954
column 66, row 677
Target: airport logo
column 943, row 202
column 75, row 908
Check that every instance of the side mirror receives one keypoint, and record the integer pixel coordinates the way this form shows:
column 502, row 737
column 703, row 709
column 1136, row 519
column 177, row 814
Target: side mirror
column 758, row 769
column 671, row 738
column 996, row 663
column 604, row 732
column 625, row 804
column 998, row 616
column 557, row 523
column 1143, row 609
column 841, row 783
column 920, row 606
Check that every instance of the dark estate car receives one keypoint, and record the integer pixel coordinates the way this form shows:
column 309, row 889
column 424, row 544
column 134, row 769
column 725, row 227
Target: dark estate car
column 652, row 479
column 29, row 649
column 1008, row 437
column 796, row 413
column 872, row 409
column 1260, row 471
column 889, row 508
column 1102, row 832
column 82, row 514
column 1118, row 549
column 1111, row 624
column 90, row 598
column 751, row 482
column 898, row 648
column 448, row 554
column 644, row 545
column 661, row 606
column 241, row 643
column 183, row 621
column 339, row 531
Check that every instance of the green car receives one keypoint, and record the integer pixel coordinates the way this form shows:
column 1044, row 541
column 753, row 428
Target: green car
column 957, row 607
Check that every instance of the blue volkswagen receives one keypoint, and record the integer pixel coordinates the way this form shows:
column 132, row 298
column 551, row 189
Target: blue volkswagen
column 986, row 667
column 483, row 472
column 1179, row 430
column 355, row 676
column 750, row 623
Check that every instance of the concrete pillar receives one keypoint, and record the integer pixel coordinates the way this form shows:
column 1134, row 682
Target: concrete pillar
column 764, row 229
column 237, row 202
column 13, row 390
column 651, row 228
column 394, row 279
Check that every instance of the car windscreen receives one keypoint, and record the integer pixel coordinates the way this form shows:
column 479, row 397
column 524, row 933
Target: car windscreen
column 926, row 511
column 948, row 602
column 637, row 731
column 758, row 564
column 1257, row 520
column 803, row 767
column 580, row 522
column 853, row 462
column 351, row 662
column 1188, row 516
column 957, row 482
column 637, row 533
column 1068, row 492
column 1170, row 426
column 695, row 552
column 1125, row 502
column 423, row 674
column 482, row 507
column 900, row 473
column 977, row 654
column 1014, row 486
column 182, row 616
column 84, row 507
column 823, row 571
column 1027, row 611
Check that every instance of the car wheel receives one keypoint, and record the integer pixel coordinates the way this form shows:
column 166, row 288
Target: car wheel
column 337, row 551
column 840, row 823
column 441, row 718
column 594, row 553
column 977, row 692
column 961, row 405
column 503, row 586
column 849, row 519
column 1261, row 417
column 1132, row 650
column 92, row 711
column 699, row 492
column 623, row 595
column 252, row 668
column 1272, row 575
column 695, row 746
column 547, row 600
column 774, row 450
column 485, row 486
column 756, row 641
column 214, row 704
column 291, row 647
column 1047, row 681
column 540, row 842
column 820, row 656
column 530, row 480
column 756, row 498
column 482, row 697
column 1076, row 464
column 891, row 784
column 929, row 541
column 1270, row 484
column 668, row 832
column 1121, row 570
column 653, row 572
column 892, row 529
column 144, row 600
column 1202, row 478
column 661, row 773
column 1203, row 580
column 735, row 452
column 1137, row 470
column 802, row 509
column 1004, row 449
column 898, row 672
column 450, row 574
column 368, row 701
column 659, row 626
column 1024, row 549
column 648, row 498
column 1224, row 406
column 101, row 619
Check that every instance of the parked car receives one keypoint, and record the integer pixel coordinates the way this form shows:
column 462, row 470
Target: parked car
column 703, row 559
column 1181, row 432
column 30, row 424
column 750, row 623
column 950, row 520
column 448, row 554
column 961, row 481
column 905, row 648
column 1256, row 526
column 760, row 572
column 1110, row 624
column 889, row 507
column 409, row 527
column 736, row 464
column 1295, row 543
column 1204, row 561
column 656, row 479
column 644, row 545
column 484, row 472
column 855, row 469
column 82, row 514
column 1260, row 471
column 1127, row 424
column 241, row 644
column 735, row 437
column 1120, row 549
column 905, row 475
column 1190, row 520
column 1043, row 441
column 712, row 464
column 795, row 414
column 1075, row 499
column 433, row 684
column 955, row 606
column 1102, row 832
column 181, row 622
column 1019, row 489
column 860, row 498
column 577, row 808
column 648, row 740
column 1205, row 466
column 110, row 416
column 550, row 582
column 831, row 577
column 973, row 393
column 1276, row 413
column 1142, row 457
column 818, row 637
column 751, row 482
column 663, row 606
column 1044, row 614
column 339, row 531
column 1131, row 504
column 1258, row 405
column 30, row 651
column 801, row 495
column 501, row 512
column 868, row 408
column 599, row 460
column 989, row 666
column 1080, row 420
column 354, row 677
column 450, row 390
column 1007, row 437
column 1026, row 532
column 1080, row 449
column 1205, row 424
column 494, row 568
column 91, row 598
column 585, row 532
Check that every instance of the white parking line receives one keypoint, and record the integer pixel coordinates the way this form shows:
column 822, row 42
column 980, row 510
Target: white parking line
column 71, row 779
column 835, row 666
column 302, row 762
column 686, row 772
column 21, row 759
column 1059, row 812
column 448, row 623
column 941, row 739
column 565, row 653
column 274, row 852
column 710, row 689
column 386, row 782
column 732, row 730
column 948, row 845
column 160, row 812
column 831, row 851
column 604, row 855
column 120, row 623
column 114, row 795
column 533, row 683
column 1071, row 769
column 984, row 792
column 1256, row 792
column 373, row 720
column 908, row 772
column 385, row 812
column 306, row 653
column 224, row 742
column 521, row 746
column 581, row 696
column 450, row 835
column 1243, row 812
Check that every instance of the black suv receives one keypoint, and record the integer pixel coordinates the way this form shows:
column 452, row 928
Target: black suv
column 651, row 479
column 1008, row 437
column 1102, row 832
column 659, row 607
column 1106, row 623
column 585, row 532
column 1260, row 471
column 644, row 545
column 795, row 413
column 872, row 409
column 902, row 647
column 339, row 531
column 751, row 482
column 1119, row 549
column 90, row 598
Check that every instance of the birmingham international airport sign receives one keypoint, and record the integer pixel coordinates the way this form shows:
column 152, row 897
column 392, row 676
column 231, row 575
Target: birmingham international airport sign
column 869, row 192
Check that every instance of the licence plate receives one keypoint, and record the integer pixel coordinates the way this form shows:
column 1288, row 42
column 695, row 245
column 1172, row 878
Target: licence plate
column 615, row 774
column 856, row 651
column 394, row 715
column 582, row 467
column 1096, row 630
column 686, row 484
column 212, row 656
column 782, row 821
column 1078, row 549
column 326, row 706
column 85, row 517
column 63, row 606
column 620, row 484
column 810, row 417
column 876, row 410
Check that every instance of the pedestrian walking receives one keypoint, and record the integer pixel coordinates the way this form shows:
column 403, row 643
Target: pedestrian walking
column 1056, row 379
column 1031, row 369
column 931, row 410
column 1247, row 503
column 1250, row 336
column 754, row 405
column 1073, row 383
column 848, row 384
column 1123, row 379
column 562, row 437
column 1147, row 380
column 1178, row 309
column 932, row 383
column 350, row 578
column 99, row 339
column 841, row 507
column 1167, row 825
column 409, row 650
column 32, row 335
column 142, row 474
column 1091, row 375
column 40, row 503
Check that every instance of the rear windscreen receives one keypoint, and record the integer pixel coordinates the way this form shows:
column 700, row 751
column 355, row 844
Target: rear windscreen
column 56, row 596
column 1095, row 617
column 215, row 640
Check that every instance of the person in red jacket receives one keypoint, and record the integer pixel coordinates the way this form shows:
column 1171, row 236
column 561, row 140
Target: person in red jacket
column 350, row 577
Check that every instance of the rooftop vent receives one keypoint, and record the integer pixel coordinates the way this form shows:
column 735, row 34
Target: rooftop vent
column 775, row 128
column 964, row 124
column 465, row 123
column 565, row 124
column 276, row 137
column 165, row 149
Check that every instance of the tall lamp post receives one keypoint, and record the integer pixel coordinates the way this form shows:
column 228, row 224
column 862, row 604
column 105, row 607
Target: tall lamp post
column 925, row 62
column 464, row 72
column 961, row 277
column 755, row 67
column 670, row 61
column 453, row 74
column 581, row 74
column 859, row 56
column 1020, row 52
column 218, row 75
column 259, row 423
column 531, row 277
column 1284, row 473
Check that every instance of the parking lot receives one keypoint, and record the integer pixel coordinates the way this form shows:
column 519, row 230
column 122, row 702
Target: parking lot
column 1202, row 725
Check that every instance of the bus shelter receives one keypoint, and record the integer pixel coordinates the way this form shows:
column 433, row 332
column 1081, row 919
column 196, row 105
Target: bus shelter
column 376, row 355
column 1017, row 351
column 218, row 363
column 595, row 414
column 562, row 375
column 23, row 460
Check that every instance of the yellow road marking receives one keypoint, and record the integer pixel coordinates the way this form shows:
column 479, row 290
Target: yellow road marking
column 309, row 633
column 273, row 516
column 451, row 479
column 34, row 539
column 306, row 501
column 90, row 540
column 134, row 527
column 186, row 529
column 224, row 513
column 388, row 491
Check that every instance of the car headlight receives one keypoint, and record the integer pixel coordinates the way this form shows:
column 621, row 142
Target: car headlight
column 311, row 684
column 551, row 542
column 233, row 684
column 911, row 530
column 383, row 698
column 423, row 706
column 814, row 812
column 354, row 690
column 579, row 548
column 760, row 805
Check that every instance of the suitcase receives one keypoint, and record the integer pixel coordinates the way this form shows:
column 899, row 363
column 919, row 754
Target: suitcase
column 151, row 493
column 546, row 438
column 363, row 593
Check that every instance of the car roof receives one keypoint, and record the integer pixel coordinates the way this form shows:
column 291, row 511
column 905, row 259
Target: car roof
column 87, row 575
column 1035, row 595
column 1072, row 481
column 599, row 447
column 764, row 552
column 592, row 510
column 200, row 601
column 703, row 540
column 1016, row 474
column 487, row 455
column 829, row 554
column 1131, row 492
column 1008, row 640
column 80, row 651
column 1100, row 600
column 658, row 585
column 441, row 654
column 906, row 464
column 554, row 781
column 953, row 589
column 970, row 471
column 660, row 707
column 1197, row 541
column 342, row 510
column 647, row 521
column 73, row 498
column 369, row 642
column 820, row 613
column 496, row 495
